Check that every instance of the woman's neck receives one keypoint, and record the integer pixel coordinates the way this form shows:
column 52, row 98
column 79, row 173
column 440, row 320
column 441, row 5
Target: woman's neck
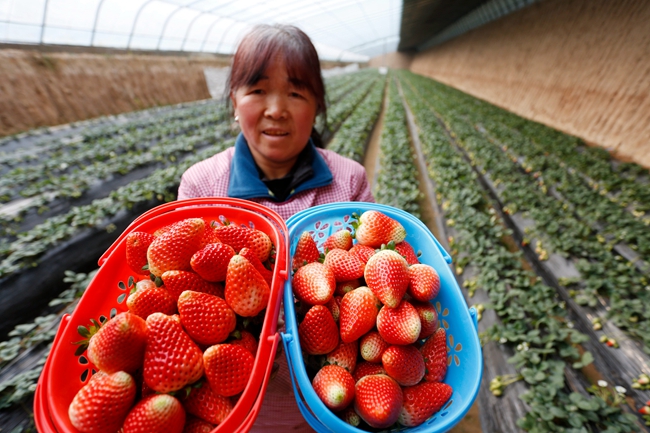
column 275, row 171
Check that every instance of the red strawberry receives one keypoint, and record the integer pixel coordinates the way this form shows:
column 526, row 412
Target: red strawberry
column 255, row 261
column 399, row 325
column 359, row 309
column 362, row 252
column 171, row 359
column 244, row 339
column 137, row 244
column 119, row 344
column 314, row 283
column 306, row 251
column 342, row 239
column 206, row 318
column 211, row 261
column 334, row 305
column 428, row 318
column 405, row 364
column 209, row 236
column 434, row 351
column 424, row 282
column 246, row 291
column 160, row 413
column 387, row 276
column 148, row 298
column 174, row 249
column 197, row 425
column 378, row 400
column 334, row 385
column 345, row 355
column 344, row 287
column 318, row 332
column 103, row 404
column 375, row 228
column 176, row 282
column 345, row 266
column 207, row 405
column 228, row 368
column 406, row 250
column 237, row 237
column 422, row 401
column 261, row 244
column 372, row 347
column 365, row 368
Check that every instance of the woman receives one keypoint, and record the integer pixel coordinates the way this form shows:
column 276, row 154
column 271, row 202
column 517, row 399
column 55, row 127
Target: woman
column 277, row 91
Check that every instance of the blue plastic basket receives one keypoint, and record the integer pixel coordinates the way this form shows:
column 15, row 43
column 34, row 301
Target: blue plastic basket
column 466, row 361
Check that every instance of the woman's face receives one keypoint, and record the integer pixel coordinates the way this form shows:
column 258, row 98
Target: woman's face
column 276, row 117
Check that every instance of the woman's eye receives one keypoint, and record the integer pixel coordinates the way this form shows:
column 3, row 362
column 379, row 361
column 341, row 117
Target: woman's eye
column 296, row 95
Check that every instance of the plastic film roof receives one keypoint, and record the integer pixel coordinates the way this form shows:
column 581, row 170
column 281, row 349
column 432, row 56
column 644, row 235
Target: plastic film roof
column 346, row 30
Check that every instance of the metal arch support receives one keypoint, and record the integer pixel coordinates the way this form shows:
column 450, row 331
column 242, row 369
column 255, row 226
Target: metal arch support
column 135, row 22
column 162, row 33
column 43, row 23
column 189, row 27
column 92, row 38
column 208, row 33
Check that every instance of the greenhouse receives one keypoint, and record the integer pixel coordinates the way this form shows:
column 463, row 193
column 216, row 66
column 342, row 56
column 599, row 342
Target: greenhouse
column 331, row 216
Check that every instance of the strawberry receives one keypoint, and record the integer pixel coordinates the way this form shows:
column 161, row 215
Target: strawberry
column 362, row 252
column 244, row 339
column 246, row 291
column 375, row 228
column 314, row 283
column 207, row 405
column 372, row 347
column 387, row 276
column 237, row 237
column 318, row 332
column 119, row 344
column 159, row 413
column 171, row 359
column 306, row 251
column 365, row 368
column 422, row 401
column 359, row 309
column 434, row 351
column 344, row 287
column 350, row 416
column 406, row 250
column 147, row 298
column 176, row 282
column 334, row 305
column 206, row 318
column 345, row 355
column 228, row 368
column 209, row 236
column 345, row 266
column 428, row 318
column 399, row 325
column 334, row 385
column 342, row 239
column 211, row 261
column 137, row 244
column 424, row 282
column 261, row 244
column 405, row 364
column 378, row 400
column 103, row 403
column 197, row 425
column 174, row 249
column 255, row 261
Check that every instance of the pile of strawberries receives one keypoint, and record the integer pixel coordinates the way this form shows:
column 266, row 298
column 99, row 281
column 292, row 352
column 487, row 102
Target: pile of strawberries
column 368, row 326
column 180, row 357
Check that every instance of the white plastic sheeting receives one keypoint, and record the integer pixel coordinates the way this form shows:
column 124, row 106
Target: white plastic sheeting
column 348, row 30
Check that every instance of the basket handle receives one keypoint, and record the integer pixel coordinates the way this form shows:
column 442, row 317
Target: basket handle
column 247, row 424
column 178, row 204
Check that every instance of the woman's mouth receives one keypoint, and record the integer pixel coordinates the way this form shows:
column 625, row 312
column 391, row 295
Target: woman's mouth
column 275, row 132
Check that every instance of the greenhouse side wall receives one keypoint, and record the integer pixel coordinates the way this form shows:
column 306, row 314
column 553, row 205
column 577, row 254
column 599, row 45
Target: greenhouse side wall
column 50, row 88
column 580, row 66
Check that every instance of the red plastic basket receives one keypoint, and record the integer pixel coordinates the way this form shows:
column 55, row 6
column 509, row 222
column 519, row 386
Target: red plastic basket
column 64, row 373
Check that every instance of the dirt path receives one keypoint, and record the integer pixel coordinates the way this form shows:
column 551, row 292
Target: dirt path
column 371, row 158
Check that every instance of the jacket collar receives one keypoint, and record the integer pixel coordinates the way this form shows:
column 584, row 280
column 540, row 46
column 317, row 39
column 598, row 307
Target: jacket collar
column 245, row 182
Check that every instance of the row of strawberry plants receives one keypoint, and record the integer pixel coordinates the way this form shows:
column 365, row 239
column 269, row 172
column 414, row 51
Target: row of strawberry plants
column 603, row 272
column 340, row 85
column 397, row 178
column 340, row 111
column 588, row 202
column 352, row 136
column 533, row 321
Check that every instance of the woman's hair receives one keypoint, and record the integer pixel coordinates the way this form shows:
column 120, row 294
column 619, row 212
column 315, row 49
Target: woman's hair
column 264, row 43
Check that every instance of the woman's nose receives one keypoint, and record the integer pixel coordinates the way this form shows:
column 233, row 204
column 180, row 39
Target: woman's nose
column 276, row 107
